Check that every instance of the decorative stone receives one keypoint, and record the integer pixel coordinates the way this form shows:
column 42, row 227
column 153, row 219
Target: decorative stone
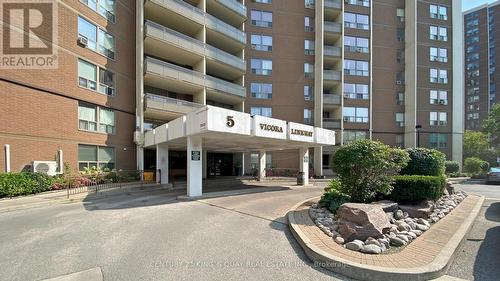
column 360, row 221
column 421, row 210
column 424, row 222
column 339, row 240
column 384, row 241
column 403, row 237
column 434, row 219
column 371, row 249
column 387, row 205
column 398, row 215
column 372, row 242
column 397, row 242
column 412, row 235
column 355, row 245
column 404, row 227
column 413, row 225
column 417, row 232
column 422, row 227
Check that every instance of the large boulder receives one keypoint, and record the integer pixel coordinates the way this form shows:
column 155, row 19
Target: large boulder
column 387, row 205
column 420, row 210
column 360, row 221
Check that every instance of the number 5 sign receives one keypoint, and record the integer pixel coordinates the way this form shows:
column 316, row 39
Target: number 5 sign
column 230, row 121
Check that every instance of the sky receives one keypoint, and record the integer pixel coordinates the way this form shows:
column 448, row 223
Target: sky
column 469, row 4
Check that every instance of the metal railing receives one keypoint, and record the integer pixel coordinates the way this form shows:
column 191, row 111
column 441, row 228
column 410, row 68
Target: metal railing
column 333, row 4
column 331, row 26
column 168, row 101
column 98, row 181
column 331, row 75
column 331, row 99
column 332, row 51
column 331, row 123
column 186, row 42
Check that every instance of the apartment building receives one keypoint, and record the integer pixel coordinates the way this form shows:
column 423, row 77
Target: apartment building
column 80, row 112
column 379, row 69
column 481, row 78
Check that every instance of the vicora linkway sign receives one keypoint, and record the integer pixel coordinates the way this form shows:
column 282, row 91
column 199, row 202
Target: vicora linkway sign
column 272, row 128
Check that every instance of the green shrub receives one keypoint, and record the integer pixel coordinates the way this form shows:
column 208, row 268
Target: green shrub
column 474, row 166
column 366, row 168
column 414, row 188
column 425, row 162
column 452, row 167
column 15, row 184
column 333, row 198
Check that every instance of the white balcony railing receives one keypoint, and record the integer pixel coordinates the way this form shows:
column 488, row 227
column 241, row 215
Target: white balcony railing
column 332, row 75
column 332, row 51
column 235, row 6
column 158, row 102
column 333, row 4
column 331, row 26
column 331, row 99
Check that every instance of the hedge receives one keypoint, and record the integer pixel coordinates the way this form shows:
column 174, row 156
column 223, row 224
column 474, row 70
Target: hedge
column 15, row 184
column 475, row 167
column 452, row 167
column 333, row 198
column 414, row 188
column 425, row 162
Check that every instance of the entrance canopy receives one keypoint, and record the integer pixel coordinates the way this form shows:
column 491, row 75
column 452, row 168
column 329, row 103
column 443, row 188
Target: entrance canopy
column 224, row 130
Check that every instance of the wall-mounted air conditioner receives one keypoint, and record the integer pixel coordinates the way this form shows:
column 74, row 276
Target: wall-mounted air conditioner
column 82, row 40
column 45, row 167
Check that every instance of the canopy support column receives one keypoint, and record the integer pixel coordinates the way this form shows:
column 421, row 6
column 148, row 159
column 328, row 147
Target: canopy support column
column 162, row 163
column 304, row 163
column 262, row 164
column 194, row 166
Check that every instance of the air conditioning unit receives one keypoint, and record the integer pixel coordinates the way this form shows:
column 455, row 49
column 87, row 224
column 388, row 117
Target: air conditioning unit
column 359, row 50
column 442, row 102
column 82, row 40
column 138, row 138
column 398, row 82
column 45, row 167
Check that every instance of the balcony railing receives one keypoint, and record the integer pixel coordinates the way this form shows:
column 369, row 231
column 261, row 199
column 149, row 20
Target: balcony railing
column 331, row 99
column 331, row 123
column 331, row 26
column 185, row 42
column 169, row 104
column 332, row 51
column 332, row 75
column 333, row 4
column 165, row 69
column 198, row 15
column 235, row 6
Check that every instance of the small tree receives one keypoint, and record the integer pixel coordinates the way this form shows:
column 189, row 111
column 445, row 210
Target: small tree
column 491, row 125
column 475, row 144
column 474, row 166
column 366, row 168
column 425, row 162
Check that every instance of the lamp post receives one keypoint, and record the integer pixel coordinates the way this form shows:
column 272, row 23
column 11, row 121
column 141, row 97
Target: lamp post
column 418, row 127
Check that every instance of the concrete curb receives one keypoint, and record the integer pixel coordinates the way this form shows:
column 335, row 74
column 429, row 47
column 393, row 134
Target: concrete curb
column 435, row 269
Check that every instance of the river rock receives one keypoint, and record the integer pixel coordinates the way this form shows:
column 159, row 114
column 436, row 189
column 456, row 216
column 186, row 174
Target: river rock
column 360, row 221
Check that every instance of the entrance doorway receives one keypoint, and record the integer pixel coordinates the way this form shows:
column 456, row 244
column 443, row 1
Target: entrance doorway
column 220, row 164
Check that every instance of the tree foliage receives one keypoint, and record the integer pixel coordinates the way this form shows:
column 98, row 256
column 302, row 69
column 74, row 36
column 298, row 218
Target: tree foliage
column 491, row 125
column 475, row 144
column 425, row 162
column 367, row 167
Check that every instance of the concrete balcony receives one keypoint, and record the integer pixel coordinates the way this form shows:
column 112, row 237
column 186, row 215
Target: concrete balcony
column 330, row 123
column 165, row 108
column 333, row 8
column 332, row 54
column 230, row 11
column 331, row 77
column 172, row 77
column 183, row 16
column 170, row 45
column 332, row 31
column 331, row 100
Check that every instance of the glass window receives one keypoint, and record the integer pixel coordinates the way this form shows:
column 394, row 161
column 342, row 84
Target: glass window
column 308, row 93
column 261, row 90
column 261, row 18
column 308, row 24
column 87, row 75
column 89, row 31
column 97, row 39
column 357, row 68
column 356, row 91
column 400, row 119
column 106, row 44
column 106, row 121
column 308, row 70
column 106, row 82
column 309, row 47
column 438, row 118
column 309, row 3
column 261, row 42
column 106, row 8
column 443, row 34
column 308, row 116
column 261, row 67
column 263, row 111
column 87, row 117
column 356, row 44
column 349, row 135
column 400, row 14
column 357, row 21
column 96, row 156
column 264, row 1
column 355, row 114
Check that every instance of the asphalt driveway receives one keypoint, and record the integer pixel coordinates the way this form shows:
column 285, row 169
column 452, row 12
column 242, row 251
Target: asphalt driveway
column 156, row 237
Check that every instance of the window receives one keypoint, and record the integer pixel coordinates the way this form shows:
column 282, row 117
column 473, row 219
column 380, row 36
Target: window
column 438, row 33
column 400, row 98
column 97, row 39
column 438, row 76
column 356, row 44
column 310, row 4
column 308, row 116
column 96, row 119
column 438, row 12
column 438, row 118
column 400, row 78
column 96, row 156
column 437, row 140
column 365, row 3
column 400, row 56
column 261, row 90
column 308, row 24
column 400, row 34
column 105, row 8
column 400, row 119
column 261, row 67
column 354, row 135
column 357, row 21
column 309, row 70
column 400, row 14
column 87, row 78
column 356, row 67
column 309, row 47
column 261, row 18
column 438, row 97
column 356, row 114
column 262, row 42
column 438, row 54
column 400, row 140
column 263, row 111
column 264, row 1
column 356, row 91
column 308, row 93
